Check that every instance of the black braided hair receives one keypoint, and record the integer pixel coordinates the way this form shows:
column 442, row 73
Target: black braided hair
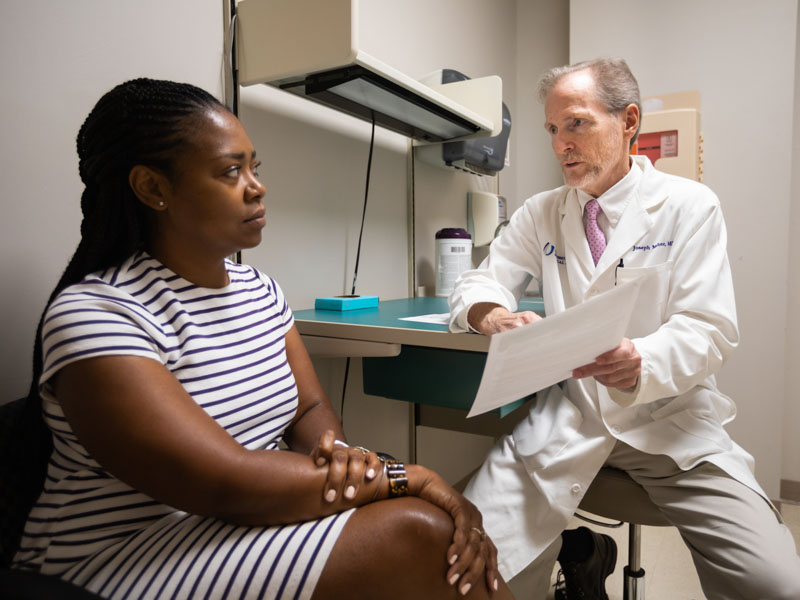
column 140, row 122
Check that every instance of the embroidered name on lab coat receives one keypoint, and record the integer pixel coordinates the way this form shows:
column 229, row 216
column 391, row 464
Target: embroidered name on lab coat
column 653, row 246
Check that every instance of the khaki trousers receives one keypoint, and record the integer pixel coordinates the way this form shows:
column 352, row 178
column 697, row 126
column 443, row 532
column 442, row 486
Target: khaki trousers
column 740, row 547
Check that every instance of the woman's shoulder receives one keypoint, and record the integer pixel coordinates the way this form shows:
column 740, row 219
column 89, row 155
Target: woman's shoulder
column 121, row 283
column 253, row 278
column 133, row 292
column 250, row 276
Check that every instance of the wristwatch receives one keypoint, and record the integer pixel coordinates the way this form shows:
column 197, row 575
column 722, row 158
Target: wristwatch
column 398, row 480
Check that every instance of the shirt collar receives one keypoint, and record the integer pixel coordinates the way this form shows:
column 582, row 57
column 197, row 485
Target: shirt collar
column 614, row 200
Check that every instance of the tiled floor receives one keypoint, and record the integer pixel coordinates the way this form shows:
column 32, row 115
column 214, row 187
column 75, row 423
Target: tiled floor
column 666, row 560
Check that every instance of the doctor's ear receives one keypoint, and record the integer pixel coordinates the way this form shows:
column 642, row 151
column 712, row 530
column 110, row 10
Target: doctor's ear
column 632, row 117
column 150, row 187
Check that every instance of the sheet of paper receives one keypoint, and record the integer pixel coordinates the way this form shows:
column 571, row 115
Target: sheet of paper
column 525, row 360
column 439, row 319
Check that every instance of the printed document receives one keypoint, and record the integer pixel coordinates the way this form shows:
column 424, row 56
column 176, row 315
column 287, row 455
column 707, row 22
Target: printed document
column 436, row 319
column 527, row 359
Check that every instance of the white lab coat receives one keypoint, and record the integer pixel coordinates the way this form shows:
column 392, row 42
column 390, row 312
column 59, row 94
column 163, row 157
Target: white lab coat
column 671, row 232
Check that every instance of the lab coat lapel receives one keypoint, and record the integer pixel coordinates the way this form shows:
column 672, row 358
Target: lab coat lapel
column 582, row 268
column 634, row 223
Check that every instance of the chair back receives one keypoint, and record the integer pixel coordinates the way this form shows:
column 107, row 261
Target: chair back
column 25, row 447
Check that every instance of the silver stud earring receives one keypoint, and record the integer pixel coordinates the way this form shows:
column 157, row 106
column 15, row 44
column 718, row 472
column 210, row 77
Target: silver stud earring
column 161, row 203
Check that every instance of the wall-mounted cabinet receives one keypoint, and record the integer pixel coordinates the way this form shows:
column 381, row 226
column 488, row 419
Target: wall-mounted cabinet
column 310, row 48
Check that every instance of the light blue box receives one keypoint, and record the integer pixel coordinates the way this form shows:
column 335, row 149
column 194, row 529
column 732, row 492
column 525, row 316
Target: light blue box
column 345, row 302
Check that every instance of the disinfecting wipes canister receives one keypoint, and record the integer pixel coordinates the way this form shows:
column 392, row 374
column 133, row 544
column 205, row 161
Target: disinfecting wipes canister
column 453, row 256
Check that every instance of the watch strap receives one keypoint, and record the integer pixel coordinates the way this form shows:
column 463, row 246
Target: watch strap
column 398, row 479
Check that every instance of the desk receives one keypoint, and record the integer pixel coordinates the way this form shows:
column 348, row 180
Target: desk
column 416, row 362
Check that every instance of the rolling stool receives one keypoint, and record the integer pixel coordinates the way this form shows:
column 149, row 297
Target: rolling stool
column 614, row 495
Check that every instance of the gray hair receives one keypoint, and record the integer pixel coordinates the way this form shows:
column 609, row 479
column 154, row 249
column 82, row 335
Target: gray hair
column 615, row 85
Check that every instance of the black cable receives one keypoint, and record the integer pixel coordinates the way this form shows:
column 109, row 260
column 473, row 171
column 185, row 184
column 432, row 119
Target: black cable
column 364, row 210
column 234, row 66
column 358, row 255
column 344, row 389
column 234, row 83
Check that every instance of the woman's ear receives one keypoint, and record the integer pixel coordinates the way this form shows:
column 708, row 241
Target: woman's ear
column 150, row 187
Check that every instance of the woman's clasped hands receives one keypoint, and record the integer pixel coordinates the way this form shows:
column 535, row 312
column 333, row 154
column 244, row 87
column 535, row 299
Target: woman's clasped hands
column 348, row 466
column 471, row 554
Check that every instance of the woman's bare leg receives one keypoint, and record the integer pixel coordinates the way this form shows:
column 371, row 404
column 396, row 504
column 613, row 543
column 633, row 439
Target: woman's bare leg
column 396, row 549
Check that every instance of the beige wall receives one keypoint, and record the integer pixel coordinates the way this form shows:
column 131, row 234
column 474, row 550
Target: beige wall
column 791, row 412
column 58, row 59
column 740, row 56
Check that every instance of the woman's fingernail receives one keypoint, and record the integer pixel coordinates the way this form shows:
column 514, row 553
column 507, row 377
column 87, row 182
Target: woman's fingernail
column 465, row 589
column 350, row 492
column 371, row 474
column 453, row 559
column 495, row 585
column 330, row 495
column 454, row 578
column 320, row 461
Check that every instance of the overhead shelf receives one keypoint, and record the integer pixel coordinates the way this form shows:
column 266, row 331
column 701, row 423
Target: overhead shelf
column 310, row 48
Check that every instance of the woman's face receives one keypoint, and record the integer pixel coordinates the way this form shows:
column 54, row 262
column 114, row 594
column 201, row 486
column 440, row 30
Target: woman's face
column 213, row 202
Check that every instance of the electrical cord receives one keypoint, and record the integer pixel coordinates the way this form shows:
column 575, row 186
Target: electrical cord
column 364, row 209
column 233, row 77
column 358, row 255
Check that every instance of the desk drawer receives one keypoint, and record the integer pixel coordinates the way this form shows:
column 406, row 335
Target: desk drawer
column 433, row 376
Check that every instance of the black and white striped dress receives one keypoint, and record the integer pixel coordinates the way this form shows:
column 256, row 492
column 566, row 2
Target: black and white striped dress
column 227, row 348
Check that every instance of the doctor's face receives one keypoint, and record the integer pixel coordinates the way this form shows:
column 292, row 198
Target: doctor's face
column 590, row 143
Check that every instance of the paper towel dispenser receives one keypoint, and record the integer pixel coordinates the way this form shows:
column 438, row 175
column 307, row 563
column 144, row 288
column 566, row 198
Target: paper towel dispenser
column 481, row 156
column 310, row 48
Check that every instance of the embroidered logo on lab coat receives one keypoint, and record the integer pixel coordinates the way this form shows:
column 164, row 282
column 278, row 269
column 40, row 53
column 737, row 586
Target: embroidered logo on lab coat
column 550, row 250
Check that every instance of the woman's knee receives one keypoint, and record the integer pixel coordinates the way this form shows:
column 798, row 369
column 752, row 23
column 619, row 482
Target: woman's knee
column 413, row 525
column 404, row 535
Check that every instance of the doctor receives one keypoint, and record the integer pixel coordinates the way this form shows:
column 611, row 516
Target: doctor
column 650, row 406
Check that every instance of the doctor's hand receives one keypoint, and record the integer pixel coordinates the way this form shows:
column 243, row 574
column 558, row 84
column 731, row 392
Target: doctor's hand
column 489, row 318
column 618, row 368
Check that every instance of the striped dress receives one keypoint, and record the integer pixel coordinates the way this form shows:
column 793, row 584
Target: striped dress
column 227, row 347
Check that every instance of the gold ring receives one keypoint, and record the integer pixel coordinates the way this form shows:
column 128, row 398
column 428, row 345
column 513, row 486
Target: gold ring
column 480, row 532
column 364, row 451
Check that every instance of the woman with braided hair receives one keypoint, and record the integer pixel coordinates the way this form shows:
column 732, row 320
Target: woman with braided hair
column 169, row 375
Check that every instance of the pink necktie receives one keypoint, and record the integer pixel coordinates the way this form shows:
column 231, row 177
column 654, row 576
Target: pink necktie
column 594, row 235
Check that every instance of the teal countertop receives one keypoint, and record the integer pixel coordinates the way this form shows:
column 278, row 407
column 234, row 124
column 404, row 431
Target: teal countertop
column 434, row 367
column 383, row 323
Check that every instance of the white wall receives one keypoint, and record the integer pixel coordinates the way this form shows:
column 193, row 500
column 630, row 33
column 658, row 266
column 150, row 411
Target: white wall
column 791, row 414
column 740, row 56
column 58, row 59
column 542, row 38
column 516, row 40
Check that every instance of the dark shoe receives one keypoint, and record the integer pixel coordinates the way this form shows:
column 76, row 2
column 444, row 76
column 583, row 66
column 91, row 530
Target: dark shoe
column 586, row 580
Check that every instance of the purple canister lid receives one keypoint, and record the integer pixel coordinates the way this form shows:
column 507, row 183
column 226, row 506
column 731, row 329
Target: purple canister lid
column 453, row 232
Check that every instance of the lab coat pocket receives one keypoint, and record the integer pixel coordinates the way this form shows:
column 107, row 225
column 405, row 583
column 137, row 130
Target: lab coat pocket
column 549, row 426
column 702, row 424
column 648, row 312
